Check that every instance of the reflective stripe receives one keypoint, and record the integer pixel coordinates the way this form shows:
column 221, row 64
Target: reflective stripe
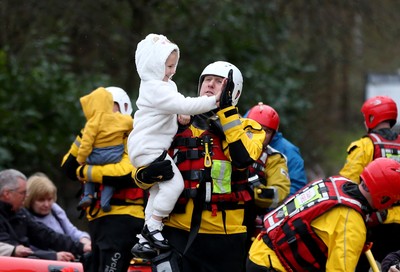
column 89, row 173
column 221, row 172
column 289, row 226
column 77, row 143
column 316, row 192
column 385, row 148
column 232, row 124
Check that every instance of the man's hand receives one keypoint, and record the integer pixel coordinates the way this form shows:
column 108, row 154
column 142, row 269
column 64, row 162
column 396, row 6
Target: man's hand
column 159, row 170
column 394, row 268
column 22, row 251
column 226, row 95
column 87, row 244
column 65, row 256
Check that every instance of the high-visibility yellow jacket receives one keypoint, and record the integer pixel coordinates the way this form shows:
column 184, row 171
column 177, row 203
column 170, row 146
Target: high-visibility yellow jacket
column 359, row 154
column 342, row 229
column 117, row 175
column 241, row 141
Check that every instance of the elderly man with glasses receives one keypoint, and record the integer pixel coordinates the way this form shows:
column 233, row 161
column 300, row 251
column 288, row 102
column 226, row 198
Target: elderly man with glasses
column 17, row 228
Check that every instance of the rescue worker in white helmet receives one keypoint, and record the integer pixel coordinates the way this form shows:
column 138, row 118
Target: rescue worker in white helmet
column 380, row 115
column 122, row 99
column 268, row 179
column 111, row 232
column 213, row 153
column 321, row 227
column 102, row 142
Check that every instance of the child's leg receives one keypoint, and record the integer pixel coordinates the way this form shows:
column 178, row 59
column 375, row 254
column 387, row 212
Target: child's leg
column 149, row 209
column 88, row 193
column 88, row 189
column 106, row 195
column 163, row 203
column 143, row 248
column 150, row 201
column 168, row 194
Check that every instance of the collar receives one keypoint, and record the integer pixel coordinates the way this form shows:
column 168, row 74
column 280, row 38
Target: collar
column 386, row 133
column 353, row 191
column 6, row 209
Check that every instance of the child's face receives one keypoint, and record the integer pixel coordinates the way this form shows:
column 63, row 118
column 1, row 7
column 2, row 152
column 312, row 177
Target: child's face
column 170, row 66
column 116, row 107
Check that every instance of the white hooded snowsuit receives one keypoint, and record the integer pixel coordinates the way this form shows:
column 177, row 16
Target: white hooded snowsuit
column 156, row 123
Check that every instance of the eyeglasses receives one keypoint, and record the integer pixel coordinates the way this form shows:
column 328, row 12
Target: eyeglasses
column 22, row 193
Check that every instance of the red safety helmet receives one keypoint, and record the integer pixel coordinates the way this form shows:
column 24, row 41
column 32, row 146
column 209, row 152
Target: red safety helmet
column 378, row 109
column 382, row 178
column 265, row 116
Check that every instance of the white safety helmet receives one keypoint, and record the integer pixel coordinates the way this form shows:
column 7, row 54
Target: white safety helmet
column 122, row 98
column 221, row 68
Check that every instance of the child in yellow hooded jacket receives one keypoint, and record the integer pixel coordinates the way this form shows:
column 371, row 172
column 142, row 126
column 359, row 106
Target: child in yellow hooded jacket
column 102, row 140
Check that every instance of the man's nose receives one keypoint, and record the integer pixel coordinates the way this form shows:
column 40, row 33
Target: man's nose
column 211, row 83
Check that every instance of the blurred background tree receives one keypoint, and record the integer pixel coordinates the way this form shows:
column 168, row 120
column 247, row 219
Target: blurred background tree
column 306, row 58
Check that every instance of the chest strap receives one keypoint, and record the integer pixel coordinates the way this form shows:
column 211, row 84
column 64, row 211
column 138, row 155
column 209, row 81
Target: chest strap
column 187, row 142
column 190, row 154
column 196, row 175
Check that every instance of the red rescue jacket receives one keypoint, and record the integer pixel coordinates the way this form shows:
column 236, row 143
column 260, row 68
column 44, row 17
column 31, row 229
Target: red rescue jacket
column 190, row 156
column 288, row 228
column 385, row 148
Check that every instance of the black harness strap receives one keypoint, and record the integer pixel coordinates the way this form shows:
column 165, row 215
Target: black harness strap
column 267, row 241
column 190, row 154
column 291, row 239
column 198, row 204
column 187, row 142
column 310, row 242
column 192, row 174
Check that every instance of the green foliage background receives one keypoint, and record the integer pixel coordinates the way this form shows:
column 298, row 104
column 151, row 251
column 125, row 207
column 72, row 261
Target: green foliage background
column 307, row 59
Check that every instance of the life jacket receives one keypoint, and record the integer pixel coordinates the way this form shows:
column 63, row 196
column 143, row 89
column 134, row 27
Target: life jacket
column 288, row 228
column 258, row 167
column 126, row 196
column 385, row 148
column 121, row 197
column 202, row 159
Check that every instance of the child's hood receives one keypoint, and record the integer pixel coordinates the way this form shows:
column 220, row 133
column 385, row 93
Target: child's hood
column 151, row 55
column 99, row 100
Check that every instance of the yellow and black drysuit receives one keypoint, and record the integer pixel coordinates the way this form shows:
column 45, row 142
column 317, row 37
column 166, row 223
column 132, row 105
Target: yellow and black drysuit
column 269, row 184
column 379, row 143
column 213, row 154
column 320, row 228
column 113, row 233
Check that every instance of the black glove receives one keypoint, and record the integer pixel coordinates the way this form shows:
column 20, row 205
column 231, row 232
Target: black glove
column 226, row 95
column 159, row 170
column 265, row 193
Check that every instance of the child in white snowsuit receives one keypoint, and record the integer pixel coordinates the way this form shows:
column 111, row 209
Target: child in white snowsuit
column 159, row 104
